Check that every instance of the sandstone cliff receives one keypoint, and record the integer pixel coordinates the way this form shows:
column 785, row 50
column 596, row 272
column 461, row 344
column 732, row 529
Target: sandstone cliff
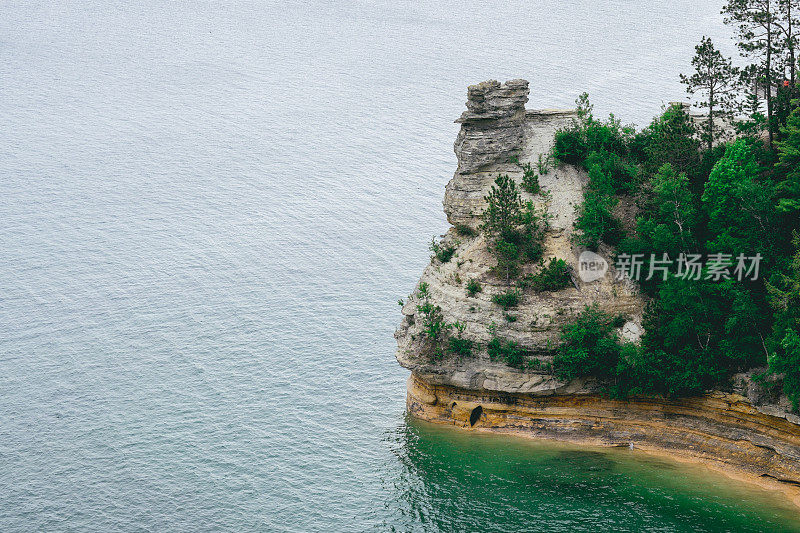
column 495, row 127
column 742, row 427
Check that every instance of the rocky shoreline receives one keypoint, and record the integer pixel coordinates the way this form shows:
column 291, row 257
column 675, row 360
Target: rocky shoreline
column 745, row 431
column 723, row 431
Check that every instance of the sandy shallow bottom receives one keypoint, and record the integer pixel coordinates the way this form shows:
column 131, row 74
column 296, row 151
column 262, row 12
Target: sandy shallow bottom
column 717, row 433
column 790, row 493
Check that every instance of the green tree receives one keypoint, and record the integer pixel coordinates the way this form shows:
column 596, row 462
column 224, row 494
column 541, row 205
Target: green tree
column 740, row 209
column 507, row 255
column 784, row 297
column 681, row 334
column 620, row 175
column 533, row 227
column 739, row 204
column 668, row 223
column 788, row 363
column 715, row 77
column 500, row 220
column 504, row 208
column 789, row 166
column 749, row 82
column 589, row 347
column 587, row 134
column 595, row 221
column 670, row 218
column 788, row 22
column 515, row 232
column 554, row 276
column 670, row 138
column 697, row 334
column 756, row 22
column 743, row 342
column 433, row 324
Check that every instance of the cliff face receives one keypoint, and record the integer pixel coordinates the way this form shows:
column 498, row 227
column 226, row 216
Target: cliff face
column 741, row 427
column 495, row 127
column 719, row 429
column 492, row 130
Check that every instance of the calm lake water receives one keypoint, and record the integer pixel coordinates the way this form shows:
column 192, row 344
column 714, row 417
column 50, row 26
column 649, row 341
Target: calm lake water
column 208, row 211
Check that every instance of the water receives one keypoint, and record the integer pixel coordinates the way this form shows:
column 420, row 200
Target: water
column 475, row 482
column 208, row 213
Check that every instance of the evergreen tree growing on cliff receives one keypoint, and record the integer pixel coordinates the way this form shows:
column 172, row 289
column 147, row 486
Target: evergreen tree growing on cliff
column 739, row 204
column 504, row 207
column 784, row 297
column 668, row 221
column 589, row 346
column 758, row 26
column 500, row 220
column 789, row 166
column 595, row 216
column 670, row 138
column 715, row 77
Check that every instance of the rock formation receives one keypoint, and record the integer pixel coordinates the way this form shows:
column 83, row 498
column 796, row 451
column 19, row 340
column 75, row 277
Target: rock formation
column 495, row 127
column 739, row 427
column 492, row 130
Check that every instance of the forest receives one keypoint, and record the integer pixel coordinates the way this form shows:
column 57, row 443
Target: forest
column 724, row 186
column 716, row 197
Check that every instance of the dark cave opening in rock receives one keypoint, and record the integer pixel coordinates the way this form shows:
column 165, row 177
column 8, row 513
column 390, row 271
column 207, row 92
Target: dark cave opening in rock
column 475, row 415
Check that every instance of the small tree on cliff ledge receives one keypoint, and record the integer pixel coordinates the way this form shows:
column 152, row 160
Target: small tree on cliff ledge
column 500, row 219
column 504, row 207
column 715, row 77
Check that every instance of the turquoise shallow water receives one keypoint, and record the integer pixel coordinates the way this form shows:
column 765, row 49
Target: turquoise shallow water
column 208, row 213
column 456, row 481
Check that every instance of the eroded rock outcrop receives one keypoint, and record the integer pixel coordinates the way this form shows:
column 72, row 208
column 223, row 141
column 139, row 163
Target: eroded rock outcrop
column 492, row 130
column 719, row 429
column 743, row 427
column 495, row 127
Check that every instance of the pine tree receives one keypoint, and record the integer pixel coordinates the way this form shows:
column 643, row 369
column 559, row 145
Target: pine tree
column 715, row 77
column 500, row 220
column 787, row 23
column 757, row 25
column 789, row 164
column 748, row 81
column 671, row 138
column 784, row 296
column 595, row 220
column 671, row 219
column 504, row 207
column 739, row 204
